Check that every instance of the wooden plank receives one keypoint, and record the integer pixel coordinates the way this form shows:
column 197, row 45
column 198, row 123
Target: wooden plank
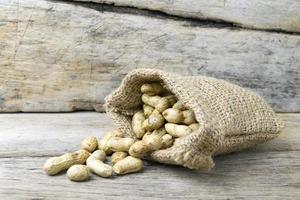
column 268, row 175
column 267, row 15
column 56, row 56
column 53, row 134
column 269, row 171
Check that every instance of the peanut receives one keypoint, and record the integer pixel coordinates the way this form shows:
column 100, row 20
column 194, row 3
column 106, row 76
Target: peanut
column 171, row 99
column 155, row 127
column 117, row 133
column 117, row 156
column 55, row 165
column 147, row 110
column 128, row 165
column 162, row 104
column 99, row 168
column 154, row 121
column 151, row 100
column 78, row 173
column 155, row 112
column 97, row 155
column 119, row 144
column 102, row 143
column 176, row 116
column 179, row 106
column 159, row 103
column 89, row 144
column 136, row 123
column 194, row 126
column 152, row 88
column 153, row 140
column 173, row 115
column 188, row 117
column 167, row 141
column 139, row 149
column 177, row 130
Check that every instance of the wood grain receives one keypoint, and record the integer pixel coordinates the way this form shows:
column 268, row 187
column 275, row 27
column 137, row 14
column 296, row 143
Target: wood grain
column 269, row 171
column 53, row 134
column 268, row 14
column 56, row 56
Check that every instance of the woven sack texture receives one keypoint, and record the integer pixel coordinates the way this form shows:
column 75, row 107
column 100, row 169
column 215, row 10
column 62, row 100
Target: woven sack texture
column 231, row 118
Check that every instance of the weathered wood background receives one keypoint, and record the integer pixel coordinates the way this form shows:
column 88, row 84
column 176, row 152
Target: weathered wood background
column 65, row 56
column 270, row 171
column 268, row 14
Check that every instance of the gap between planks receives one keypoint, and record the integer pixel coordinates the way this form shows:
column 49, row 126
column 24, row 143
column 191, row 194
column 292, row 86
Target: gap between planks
column 44, row 135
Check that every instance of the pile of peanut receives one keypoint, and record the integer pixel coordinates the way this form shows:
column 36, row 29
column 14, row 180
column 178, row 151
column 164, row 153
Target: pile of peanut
column 162, row 120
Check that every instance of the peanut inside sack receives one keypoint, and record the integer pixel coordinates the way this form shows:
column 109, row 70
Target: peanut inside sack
column 160, row 121
column 204, row 116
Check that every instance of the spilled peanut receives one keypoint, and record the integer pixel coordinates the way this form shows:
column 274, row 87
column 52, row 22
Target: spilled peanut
column 119, row 144
column 99, row 168
column 102, row 143
column 89, row 144
column 117, row 156
column 78, row 173
column 160, row 121
column 55, row 165
column 128, row 165
column 97, row 155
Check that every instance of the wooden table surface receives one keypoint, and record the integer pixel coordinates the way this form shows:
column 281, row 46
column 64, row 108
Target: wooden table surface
column 268, row 171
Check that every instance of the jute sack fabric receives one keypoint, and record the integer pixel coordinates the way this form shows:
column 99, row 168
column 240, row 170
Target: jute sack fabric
column 231, row 118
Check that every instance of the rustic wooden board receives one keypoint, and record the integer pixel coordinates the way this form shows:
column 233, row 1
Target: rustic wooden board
column 269, row 171
column 268, row 14
column 56, row 56
column 56, row 133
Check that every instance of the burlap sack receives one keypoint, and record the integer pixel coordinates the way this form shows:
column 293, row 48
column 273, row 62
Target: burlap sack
column 231, row 118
